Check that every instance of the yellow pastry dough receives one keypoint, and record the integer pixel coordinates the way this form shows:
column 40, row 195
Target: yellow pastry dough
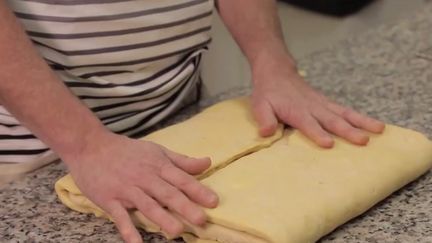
column 290, row 192
column 296, row 192
column 224, row 132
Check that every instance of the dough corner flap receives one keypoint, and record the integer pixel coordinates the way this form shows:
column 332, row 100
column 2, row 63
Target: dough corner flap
column 280, row 189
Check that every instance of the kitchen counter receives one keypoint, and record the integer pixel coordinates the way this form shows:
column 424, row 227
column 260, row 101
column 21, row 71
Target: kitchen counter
column 386, row 73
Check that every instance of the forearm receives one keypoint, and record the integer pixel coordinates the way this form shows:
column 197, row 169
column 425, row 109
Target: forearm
column 36, row 97
column 256, row 28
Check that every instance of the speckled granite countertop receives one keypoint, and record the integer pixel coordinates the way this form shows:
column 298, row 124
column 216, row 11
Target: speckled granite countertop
column 386, row 73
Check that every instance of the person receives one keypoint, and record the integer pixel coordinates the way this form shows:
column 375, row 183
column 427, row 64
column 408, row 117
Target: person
column 79, row 79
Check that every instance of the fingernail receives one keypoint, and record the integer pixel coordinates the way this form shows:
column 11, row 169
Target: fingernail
column 199, row 218
column 266, row 131
column 213, row 199
column 327, row 142
column 364, row 139
column 382, row 127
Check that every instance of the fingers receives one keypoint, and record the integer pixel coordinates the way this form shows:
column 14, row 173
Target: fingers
column 123, row 222
column 264, row 115
column 175, row 200
column 154, row 212
column 193, row 166
column 309, row 126
column 340, row 127
column 190, row 186
column 357, row 119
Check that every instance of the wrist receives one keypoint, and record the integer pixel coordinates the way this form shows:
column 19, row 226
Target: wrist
column 83, row 142
column 270, row 63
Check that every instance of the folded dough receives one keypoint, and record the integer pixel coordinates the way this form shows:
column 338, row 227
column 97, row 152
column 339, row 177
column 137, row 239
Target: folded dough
column 296, row 192
column 290, row 192
column 224, row 132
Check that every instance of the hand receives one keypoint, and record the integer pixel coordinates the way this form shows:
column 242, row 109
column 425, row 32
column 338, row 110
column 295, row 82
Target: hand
column 281, row 94
column 118, row 173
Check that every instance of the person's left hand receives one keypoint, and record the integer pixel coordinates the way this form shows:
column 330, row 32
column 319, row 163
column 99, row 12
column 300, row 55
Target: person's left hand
column 281, row 94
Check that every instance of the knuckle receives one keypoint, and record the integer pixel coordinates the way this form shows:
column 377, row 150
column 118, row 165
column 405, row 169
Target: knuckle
column 199, row 190
column 169, row 196
column 149, row 206
column 346, row 111
column 346, row 129
column 130, row 193
column 288, row 114
column 178, row 203
column 333, row 121
column 116, row 213
column 293, row 118
column 148, row 182
column 349, row 113
column 186, row 184
column 336, row 123
column 185, row 207
column 340, row 125
column 166, row 169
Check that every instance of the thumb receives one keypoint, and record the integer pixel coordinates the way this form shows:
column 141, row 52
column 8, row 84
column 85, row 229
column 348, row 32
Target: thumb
column 265, row 117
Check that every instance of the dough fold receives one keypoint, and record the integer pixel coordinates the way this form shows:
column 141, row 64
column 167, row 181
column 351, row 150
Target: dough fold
column 224, row 132
column 281, row 189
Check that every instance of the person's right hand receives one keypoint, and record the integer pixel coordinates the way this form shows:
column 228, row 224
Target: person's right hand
column 118, row 173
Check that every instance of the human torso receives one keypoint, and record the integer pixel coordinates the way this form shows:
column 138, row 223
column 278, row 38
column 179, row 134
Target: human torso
column 122, row 58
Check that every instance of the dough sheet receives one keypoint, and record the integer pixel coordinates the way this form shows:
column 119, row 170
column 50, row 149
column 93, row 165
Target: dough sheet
column 281, row 189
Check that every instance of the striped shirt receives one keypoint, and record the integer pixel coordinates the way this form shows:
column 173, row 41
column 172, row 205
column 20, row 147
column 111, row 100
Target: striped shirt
column 132, row 62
